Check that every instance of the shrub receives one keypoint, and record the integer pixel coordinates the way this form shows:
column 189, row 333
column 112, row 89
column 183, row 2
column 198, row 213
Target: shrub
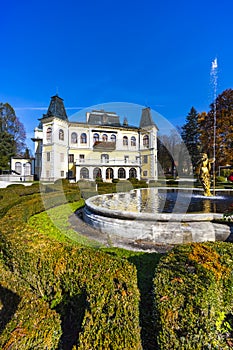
column 141, row 184
column 98, row 179
column 193, row 290
column 27, row 322
column 220, row 179
column 172, row 183
column 19, row 185
column 98, row 292
column 133, row 180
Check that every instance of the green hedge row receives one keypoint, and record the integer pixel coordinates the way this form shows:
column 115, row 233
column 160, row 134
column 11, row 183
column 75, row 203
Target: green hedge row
column 193, row 290
column 92, row 297
column 27, row 322
column 52, row 194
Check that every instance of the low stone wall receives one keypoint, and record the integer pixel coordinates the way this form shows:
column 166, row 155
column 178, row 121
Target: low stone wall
column 16, row 178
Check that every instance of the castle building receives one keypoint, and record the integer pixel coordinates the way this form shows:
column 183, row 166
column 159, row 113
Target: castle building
column 100, row 147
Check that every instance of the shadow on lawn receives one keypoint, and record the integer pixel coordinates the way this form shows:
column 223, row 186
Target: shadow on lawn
column 146, row 265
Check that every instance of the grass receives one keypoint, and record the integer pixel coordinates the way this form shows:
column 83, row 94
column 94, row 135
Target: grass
column 55, row 224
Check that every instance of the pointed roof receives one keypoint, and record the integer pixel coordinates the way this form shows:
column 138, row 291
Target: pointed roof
column 146, row 118
column 56, row 108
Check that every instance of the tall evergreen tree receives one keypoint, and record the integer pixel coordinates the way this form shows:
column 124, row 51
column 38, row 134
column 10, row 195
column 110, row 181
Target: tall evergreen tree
column 26, row 154
column 12, row 135
column 190, row 134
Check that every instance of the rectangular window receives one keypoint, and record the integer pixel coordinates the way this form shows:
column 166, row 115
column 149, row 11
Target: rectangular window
column 104, row 158
column 145, row 159
column 48, row 156
column 81, row 158
column 70, row 174
column 62, row 173
column 62, row 157
column 145, row 173
column 71, row 158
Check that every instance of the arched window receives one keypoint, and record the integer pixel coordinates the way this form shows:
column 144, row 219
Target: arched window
column 125, row 141
column 109, row 173
column 27, row 169
column 133, row 141
column 96, row 137
column 146, row 141
column 113, row 138
column 83, row 138
column 132, row 173
column 49, row 135
column 121, row 173
column 105, row 137
column 61, row 135
column 18, row 168
column 97, row 173
column 74, row 137
column 104, row 158
column 84, row 173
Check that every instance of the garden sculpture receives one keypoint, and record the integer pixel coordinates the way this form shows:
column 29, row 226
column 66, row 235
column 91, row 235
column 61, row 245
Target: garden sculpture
column 203, row 171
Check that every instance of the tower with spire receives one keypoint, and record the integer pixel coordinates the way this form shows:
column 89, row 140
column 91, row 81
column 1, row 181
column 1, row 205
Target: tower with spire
column 56, row 108
column 148, row 145
column 50, row 139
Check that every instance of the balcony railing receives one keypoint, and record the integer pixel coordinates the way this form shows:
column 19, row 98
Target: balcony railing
column 108, row 162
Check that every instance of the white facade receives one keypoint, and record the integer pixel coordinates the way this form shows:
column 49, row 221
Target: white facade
column 101, row 147
column 22, row 169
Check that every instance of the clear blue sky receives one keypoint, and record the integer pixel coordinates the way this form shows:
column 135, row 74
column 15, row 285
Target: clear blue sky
column 153, row 53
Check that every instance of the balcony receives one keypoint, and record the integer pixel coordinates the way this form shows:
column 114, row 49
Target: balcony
column 108, row 162
column 104, row 145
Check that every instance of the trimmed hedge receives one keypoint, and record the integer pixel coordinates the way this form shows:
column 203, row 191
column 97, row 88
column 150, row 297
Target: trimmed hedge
column 92, row 297
column 193, row 289
column 27, row 322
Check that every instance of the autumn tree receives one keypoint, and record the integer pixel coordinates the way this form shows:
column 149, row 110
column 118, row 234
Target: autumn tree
column 222, row 108
column 165, row 159
column 173, row 157
column 190, row 134
column 12, row 135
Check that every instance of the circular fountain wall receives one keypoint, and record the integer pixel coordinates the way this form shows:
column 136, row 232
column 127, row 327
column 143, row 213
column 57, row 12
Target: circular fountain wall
column 160, row 215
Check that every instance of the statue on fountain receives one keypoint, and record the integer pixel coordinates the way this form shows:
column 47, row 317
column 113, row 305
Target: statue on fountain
column 203, row 171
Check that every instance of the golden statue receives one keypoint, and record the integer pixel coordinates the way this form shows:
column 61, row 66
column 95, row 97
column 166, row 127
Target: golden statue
column 203, row 171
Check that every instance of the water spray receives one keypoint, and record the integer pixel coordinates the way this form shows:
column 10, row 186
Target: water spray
column 214, row 78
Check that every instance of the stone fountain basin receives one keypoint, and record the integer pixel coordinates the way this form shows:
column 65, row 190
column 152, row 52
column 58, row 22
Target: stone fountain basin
column 158, row 228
